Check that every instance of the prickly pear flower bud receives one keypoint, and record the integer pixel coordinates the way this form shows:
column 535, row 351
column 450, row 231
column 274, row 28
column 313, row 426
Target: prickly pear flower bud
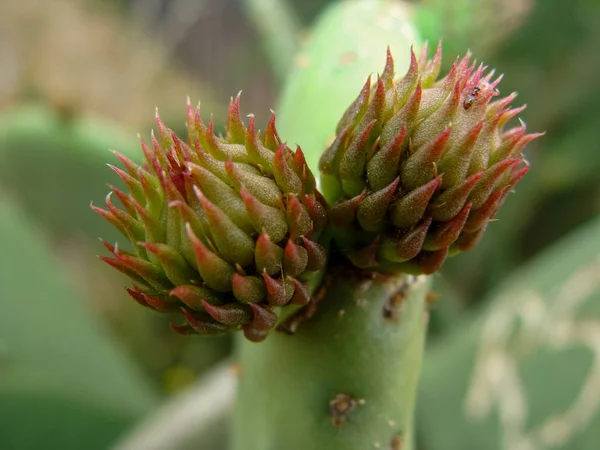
column 223, row 229
column 419, row 167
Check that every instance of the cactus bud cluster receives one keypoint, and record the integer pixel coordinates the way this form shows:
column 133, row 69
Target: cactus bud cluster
column 222, row 229
column 420, row 166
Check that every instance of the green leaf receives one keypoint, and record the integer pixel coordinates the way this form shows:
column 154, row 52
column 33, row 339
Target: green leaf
column 55, row 166
column 525, row 373
column 346, row 45
column 63, row 382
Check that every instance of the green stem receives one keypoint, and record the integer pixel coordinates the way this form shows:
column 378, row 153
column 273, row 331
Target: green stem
column 279, row 28
column 347, row 378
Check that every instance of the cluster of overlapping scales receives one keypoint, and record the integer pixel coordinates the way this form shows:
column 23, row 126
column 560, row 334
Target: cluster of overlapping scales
column 419, row 167
column 223, row 229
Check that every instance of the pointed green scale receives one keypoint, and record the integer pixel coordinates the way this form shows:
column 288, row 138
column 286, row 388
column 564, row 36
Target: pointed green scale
column 265, row 218
column 375, row 109
column 222, row 150
column 440, row 120
column 248, row 289
column 279, row 291
column 431, row 100
column 295, row 259
column 287, row 179
column 382, row 168
column 268, row 256
column 483, row 149
column 151, row 273
column 257, row 152
column 299, row 221
column 420, row 167
column 215, row 272
column 231, row 314
column 223, row 196
column 490, row 180
column 357, row 108
column 455, row 163
column 218, row 168
column 405, row 117
column 343, row 212
column 430, row 71
column 194, row 296
column 233, row 244
column 452, row 200
column 261, row 187
column 411, row 243
column 153, row 192
column 175, row 267
column 371, row 212
column 409, row 210
column 407, row 85
column 236, row 130
column 352, row 163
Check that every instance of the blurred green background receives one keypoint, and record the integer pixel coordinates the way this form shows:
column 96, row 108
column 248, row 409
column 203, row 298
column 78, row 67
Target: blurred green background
column 80, row 363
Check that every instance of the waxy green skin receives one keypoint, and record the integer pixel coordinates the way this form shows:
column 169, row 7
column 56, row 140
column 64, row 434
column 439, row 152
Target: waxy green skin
column 349, row 347
column 332, row 66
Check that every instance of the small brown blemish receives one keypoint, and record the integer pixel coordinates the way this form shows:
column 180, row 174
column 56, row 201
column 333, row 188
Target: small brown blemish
column 347, row 58
column 431, row 297
column 392, row 310
column 236, row 369
column 302, row 61
column 340, row 407
column 393, row 307
column 396, row 443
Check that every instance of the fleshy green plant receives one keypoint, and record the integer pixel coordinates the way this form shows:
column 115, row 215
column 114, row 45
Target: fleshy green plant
column 511, row 362
column 233, row 233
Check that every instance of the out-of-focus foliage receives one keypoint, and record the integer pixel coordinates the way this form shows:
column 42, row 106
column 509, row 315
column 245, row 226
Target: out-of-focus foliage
column 79, row 55
column 63, row 381
column 553, row 62
column 56, row 165
column 309, row 94
column 471, row 24
column 525, row 372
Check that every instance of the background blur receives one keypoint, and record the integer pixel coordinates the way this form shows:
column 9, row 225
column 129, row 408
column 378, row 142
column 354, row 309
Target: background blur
column 79, row 361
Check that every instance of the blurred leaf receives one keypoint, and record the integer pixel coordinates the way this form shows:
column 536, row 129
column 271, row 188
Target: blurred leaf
column 364, row 29
column 63, row 382
column 526, row 373
column 470, row 24
column 553, row 62
column 56, row 165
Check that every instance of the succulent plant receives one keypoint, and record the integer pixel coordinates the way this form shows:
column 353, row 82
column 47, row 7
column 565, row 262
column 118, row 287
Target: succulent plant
column 419, row 167
column 222, row 229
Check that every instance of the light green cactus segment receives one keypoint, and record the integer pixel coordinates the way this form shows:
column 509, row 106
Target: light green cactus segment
column 525, row 373
column 366, row 342
column 55, row 166
column 479, row 26
column 64, row 383
column 347, row 44
column 279, row 29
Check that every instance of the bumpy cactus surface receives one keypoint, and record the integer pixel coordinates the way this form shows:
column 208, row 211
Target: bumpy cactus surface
column 223, row 229
column 419, row 167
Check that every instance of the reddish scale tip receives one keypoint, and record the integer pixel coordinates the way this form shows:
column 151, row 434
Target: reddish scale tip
column 222, row 227
column 455, row 161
